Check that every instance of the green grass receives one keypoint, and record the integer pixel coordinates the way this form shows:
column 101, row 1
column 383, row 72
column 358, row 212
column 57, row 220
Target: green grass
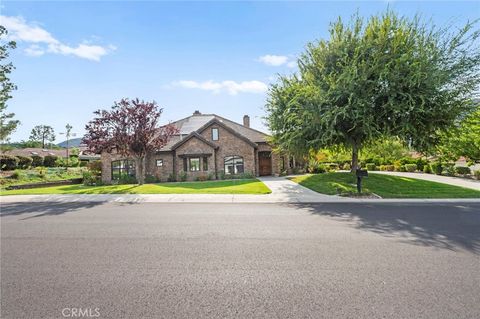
column 245, row 186
column 383, row 185
column 44, row 174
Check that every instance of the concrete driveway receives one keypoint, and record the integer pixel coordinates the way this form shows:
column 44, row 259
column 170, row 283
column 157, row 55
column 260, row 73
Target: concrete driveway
column 152, row 260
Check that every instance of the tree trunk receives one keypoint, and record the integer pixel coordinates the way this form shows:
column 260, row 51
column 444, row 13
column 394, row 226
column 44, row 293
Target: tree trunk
column 355, row 147
column 140, row 169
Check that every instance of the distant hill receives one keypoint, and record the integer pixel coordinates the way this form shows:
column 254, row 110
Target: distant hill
column 74, row 142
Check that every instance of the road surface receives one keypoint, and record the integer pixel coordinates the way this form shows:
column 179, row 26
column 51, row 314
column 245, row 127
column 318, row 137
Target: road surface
column 154, row 260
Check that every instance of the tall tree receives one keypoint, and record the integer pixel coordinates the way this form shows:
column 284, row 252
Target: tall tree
column 463, row 139
column 42, row 133
column 7, row 124
column 389, row 76
column 130, row 129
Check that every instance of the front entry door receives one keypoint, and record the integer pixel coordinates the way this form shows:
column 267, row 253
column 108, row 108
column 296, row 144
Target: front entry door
column 265, row 163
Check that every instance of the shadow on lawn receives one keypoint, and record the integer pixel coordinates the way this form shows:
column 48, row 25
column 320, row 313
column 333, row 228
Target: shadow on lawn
column 450, row 226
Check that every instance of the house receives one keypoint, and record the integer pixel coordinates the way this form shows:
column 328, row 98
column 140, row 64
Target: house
column 206, row 146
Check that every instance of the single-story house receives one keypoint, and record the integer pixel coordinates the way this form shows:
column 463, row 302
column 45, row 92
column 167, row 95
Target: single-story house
column 206, row 145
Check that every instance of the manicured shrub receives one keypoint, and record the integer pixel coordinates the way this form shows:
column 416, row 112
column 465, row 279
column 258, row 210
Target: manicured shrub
column 389, row 168
column 182, row 176
column 150, row 179
column 49, row 161
column 347, row 166
column 95, row 166
column 91, row 179
column 399, row 167
column 202, row 178
column 449, row 169
column 371, row 166
column 331, row 166
column 127, row 179
column 407, row 160
column 37, row 160
column 477, row 174
column 427, row 169
column 462, row 170
column 24, row 162
column 421, row 163
column 410, row 167
column 8, row 163
column 41, row 171
column 83, row 163
column 437, row 168
column 315, row 167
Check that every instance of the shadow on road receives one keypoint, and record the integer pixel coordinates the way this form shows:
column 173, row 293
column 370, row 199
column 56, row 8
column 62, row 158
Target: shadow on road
column 448, row 226
column 44, row 209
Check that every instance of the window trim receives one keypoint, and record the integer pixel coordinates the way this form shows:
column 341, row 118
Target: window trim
column 126, row 167
column 235, row 165
column 218, row 134
column 190, row 166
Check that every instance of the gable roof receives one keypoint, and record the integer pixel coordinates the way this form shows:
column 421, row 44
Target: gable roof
column 197, row 121
column 189, row 137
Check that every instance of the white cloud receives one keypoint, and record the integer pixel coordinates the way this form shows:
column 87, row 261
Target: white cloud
column 34, row 50
column 278, row 60
column 273, row 60
column 42, row 41
column 231, row 87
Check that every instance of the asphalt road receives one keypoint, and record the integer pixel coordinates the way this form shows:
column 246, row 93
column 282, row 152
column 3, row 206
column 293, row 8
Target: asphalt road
column 240, row 260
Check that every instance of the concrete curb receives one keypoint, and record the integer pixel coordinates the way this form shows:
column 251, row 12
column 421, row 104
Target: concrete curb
column 220, row 198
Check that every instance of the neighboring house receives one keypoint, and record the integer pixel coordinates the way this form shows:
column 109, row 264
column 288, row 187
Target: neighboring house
column 83, row 154
column 35, row 151
column 207, row 145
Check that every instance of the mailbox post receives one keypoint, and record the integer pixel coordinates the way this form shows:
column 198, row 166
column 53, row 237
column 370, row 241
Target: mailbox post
column 361, row 173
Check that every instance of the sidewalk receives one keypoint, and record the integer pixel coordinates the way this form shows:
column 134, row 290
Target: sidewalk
column 283, row 191
column 455, row 181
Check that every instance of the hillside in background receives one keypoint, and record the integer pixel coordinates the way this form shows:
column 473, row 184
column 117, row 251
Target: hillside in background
column 74, row 142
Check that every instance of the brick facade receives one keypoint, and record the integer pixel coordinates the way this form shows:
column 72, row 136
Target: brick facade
column 200, row 144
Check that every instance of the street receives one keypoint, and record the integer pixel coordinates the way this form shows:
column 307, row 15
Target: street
column 180, row 260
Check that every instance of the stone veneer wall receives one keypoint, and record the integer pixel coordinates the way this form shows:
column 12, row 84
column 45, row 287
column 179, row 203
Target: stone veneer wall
column 229, row 145
column 195, row 146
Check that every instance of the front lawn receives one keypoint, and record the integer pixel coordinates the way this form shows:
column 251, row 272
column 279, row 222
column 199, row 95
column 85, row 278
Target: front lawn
column 245, row 186
column 383, row 185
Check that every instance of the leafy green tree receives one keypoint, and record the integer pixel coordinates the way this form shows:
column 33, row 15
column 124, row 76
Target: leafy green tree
column 463, row 139
column 7, row 124
column 387, row 77
column 42, row 133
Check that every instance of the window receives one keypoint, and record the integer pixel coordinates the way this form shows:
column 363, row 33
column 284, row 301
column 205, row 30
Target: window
column 194, row 163
column 159, row 162
column 233, row 165
column 205, row 163
column 214, row 134
column 123, row 168
column 185, row 164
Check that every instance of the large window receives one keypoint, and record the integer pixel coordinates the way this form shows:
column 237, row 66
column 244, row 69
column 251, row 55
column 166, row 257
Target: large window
column 233, row 164
column 214, row 134
column 123, row 168
column 194, row 163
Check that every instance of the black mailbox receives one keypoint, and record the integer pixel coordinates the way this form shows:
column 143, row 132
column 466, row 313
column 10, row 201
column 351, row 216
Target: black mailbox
column 362, row 173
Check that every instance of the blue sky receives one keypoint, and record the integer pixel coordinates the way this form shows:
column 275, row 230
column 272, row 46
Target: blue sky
column 217, row 57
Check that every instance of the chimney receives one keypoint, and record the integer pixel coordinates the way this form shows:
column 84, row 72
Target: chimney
column 197, row 112
column 246, row 121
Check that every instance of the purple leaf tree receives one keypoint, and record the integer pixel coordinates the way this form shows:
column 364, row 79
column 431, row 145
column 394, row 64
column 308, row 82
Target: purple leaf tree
column 130, row 129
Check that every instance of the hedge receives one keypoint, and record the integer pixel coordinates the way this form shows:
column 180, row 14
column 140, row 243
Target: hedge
column 371, row 166
column 410, row 167
column 462, row 170
column 37, row 160
column 8, row 163
column 24, row 162
column 49, row 161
